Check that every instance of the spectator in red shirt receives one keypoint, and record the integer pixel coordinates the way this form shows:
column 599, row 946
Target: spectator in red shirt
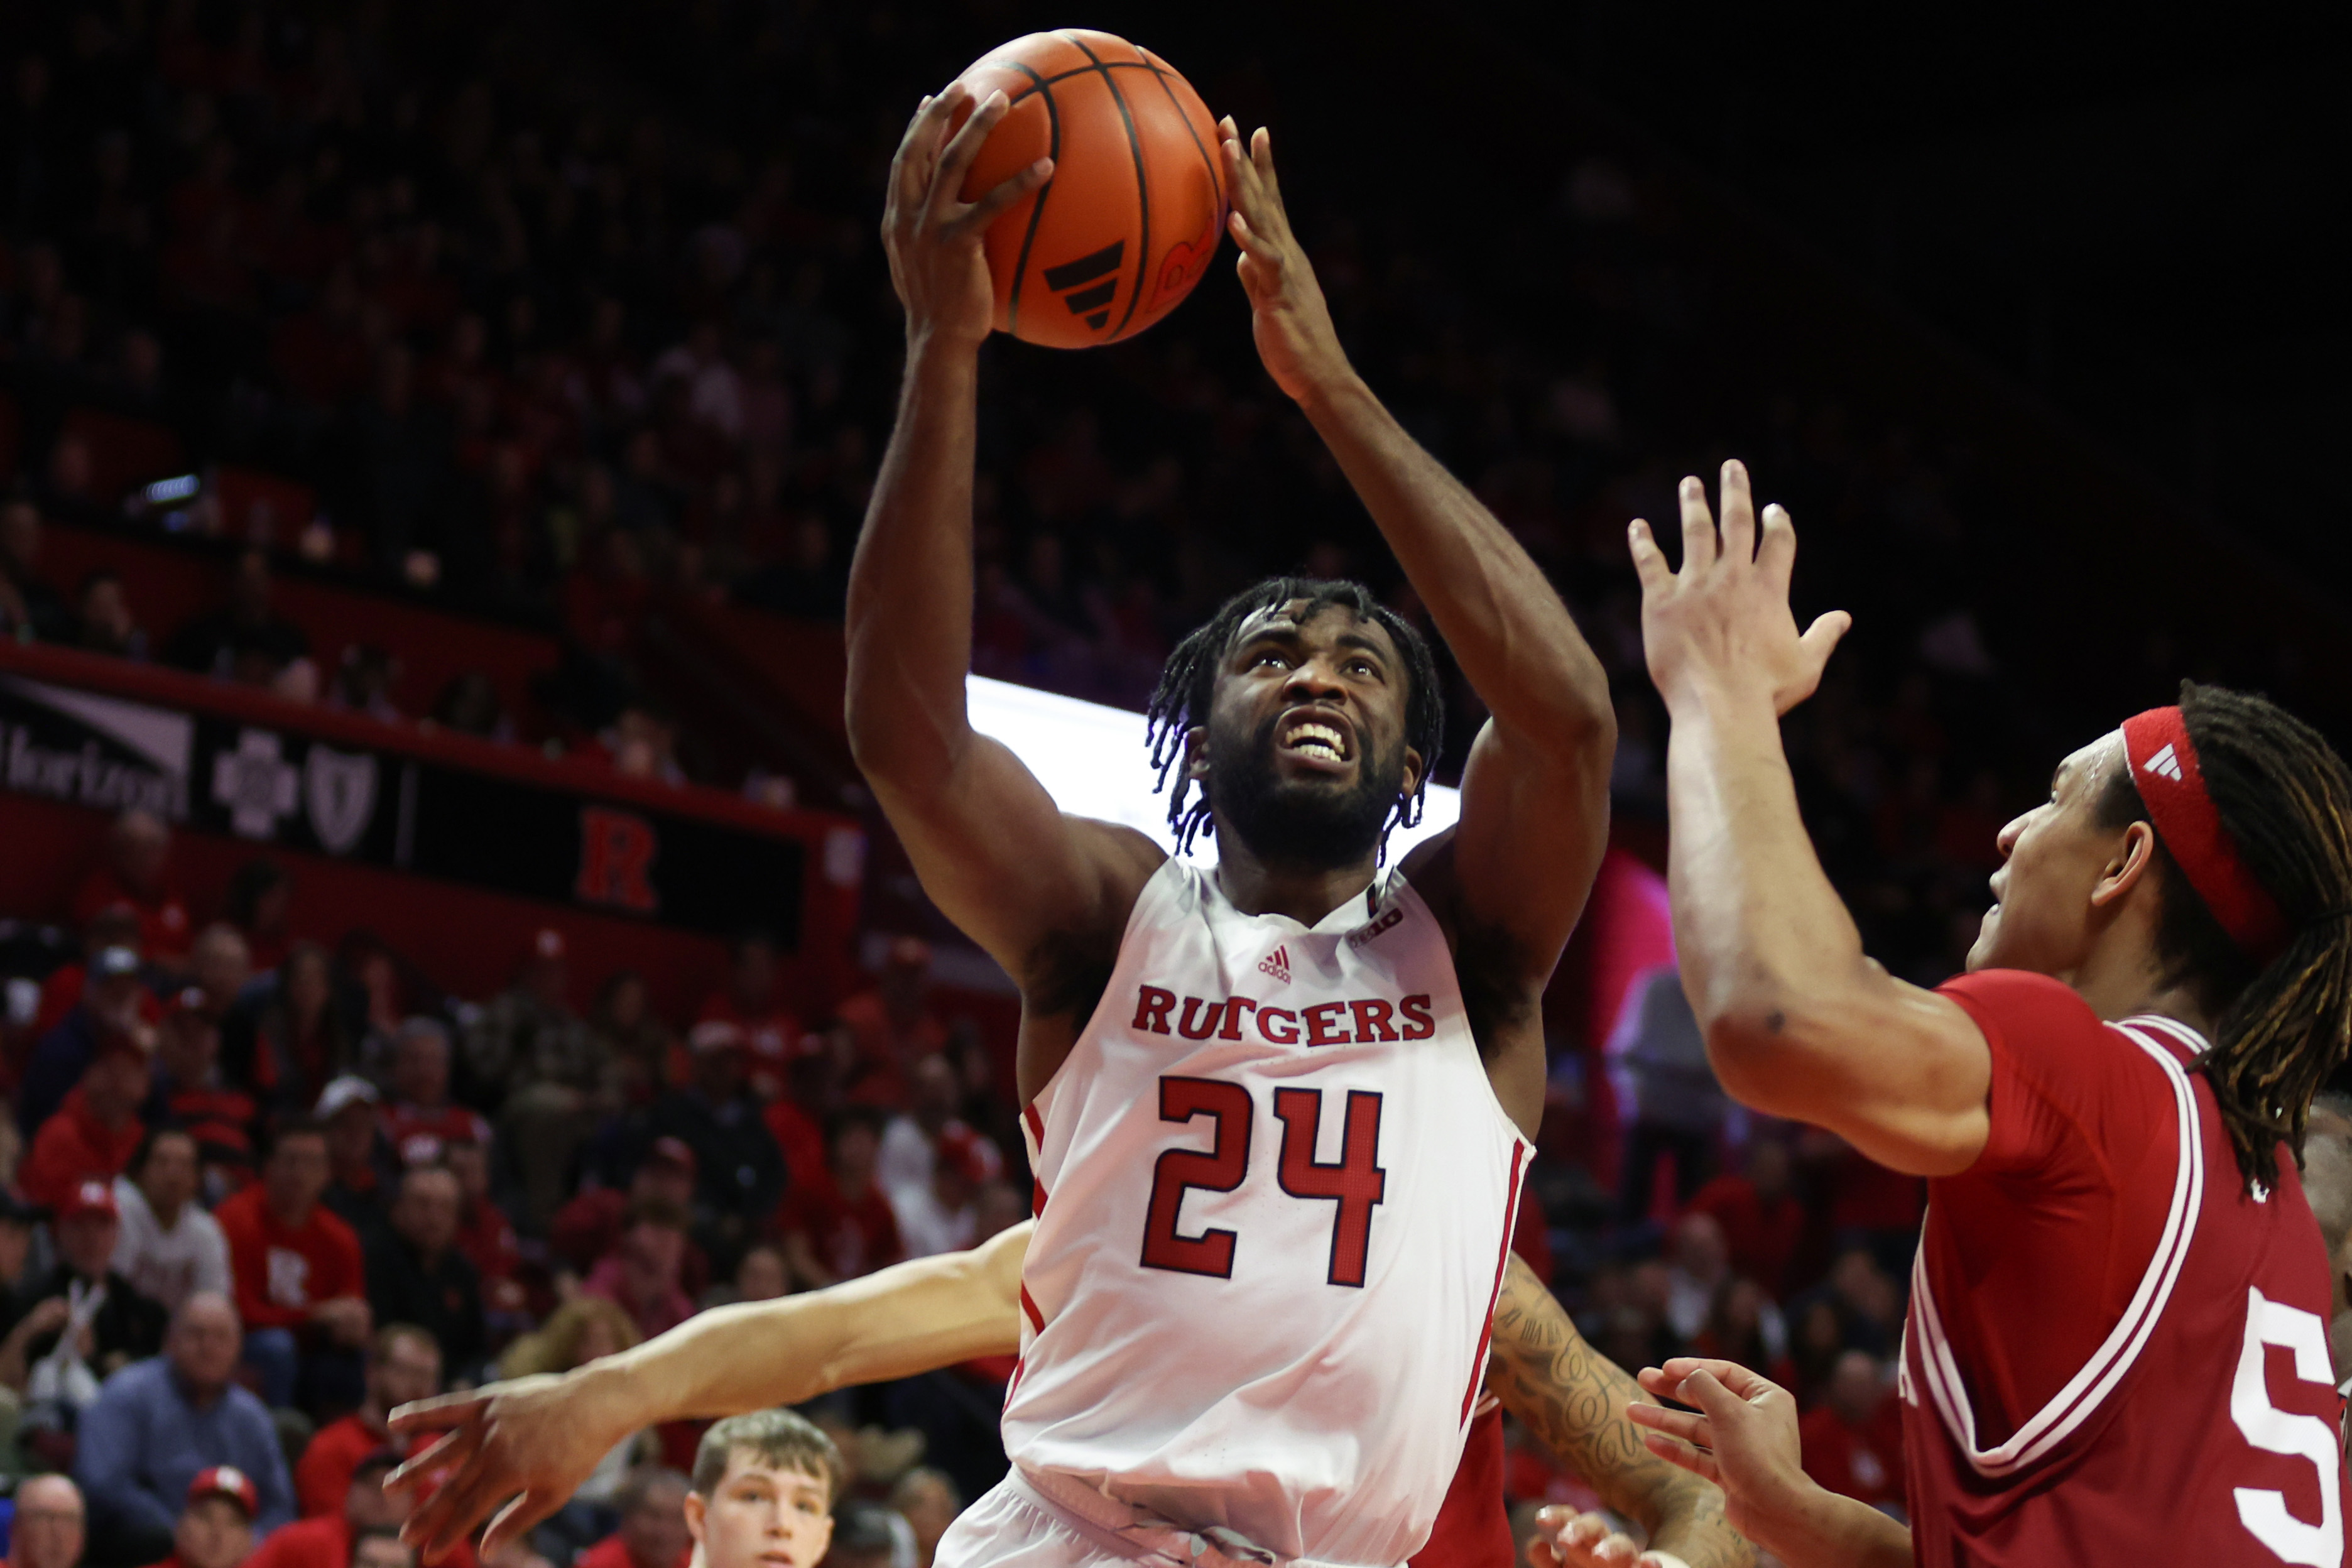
column 216, row 1527
column 589, row 1226
column 752, row 1002
column 329, row 1541
column 653, row 1533
column 301, row 1282
column 421, row 1106
column 190, row 1090
column 403, row 1364
column 1853, row 1440
column 485, row 1235
column 841, row 1227
column 96, row 1131
column 893, row 1024
column 641, row 1274
column 1760, row 1214
column 137, row 872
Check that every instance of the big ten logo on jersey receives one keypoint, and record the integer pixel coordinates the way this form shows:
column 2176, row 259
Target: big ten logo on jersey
column 1363, row 934
column 1365, row 1021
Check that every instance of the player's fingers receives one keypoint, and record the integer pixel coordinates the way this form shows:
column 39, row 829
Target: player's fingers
column 1649, row 560
column 1730, row 1373
column 1738, row 513
column 455, row 1508
column 983, row 211
column 452, row 1449
column 1699, row 524
column 1697, row 1462
column 1242, row 180
column 1683, row 1424
column 1262, row 160
column 517, row 1521
column 1585, row 1530
column 911, row 167
column 947, row 180
column 1712, row 1394
column 1821, row 638
column 1776, row 551
column 440, row 1413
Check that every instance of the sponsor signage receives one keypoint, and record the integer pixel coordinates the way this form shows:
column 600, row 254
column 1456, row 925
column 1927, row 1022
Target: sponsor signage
column 280, row 786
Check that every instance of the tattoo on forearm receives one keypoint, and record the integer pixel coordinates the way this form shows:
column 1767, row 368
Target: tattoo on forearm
column 1573, row 1399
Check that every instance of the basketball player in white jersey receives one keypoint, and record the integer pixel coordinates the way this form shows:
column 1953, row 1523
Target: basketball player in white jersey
column 1276, row 1108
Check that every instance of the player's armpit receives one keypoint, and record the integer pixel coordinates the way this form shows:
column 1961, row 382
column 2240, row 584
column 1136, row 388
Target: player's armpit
column 1573, row 1399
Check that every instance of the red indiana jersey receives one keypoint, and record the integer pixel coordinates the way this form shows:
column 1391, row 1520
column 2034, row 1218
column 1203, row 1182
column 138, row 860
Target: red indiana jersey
column 2115, row 1353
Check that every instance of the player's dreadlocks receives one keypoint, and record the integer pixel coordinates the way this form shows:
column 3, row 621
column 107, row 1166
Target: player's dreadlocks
column 1188, row 686
column 2285, row 798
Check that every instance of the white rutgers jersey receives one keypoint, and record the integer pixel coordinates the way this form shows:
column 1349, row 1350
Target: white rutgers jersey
column 1275, row 1193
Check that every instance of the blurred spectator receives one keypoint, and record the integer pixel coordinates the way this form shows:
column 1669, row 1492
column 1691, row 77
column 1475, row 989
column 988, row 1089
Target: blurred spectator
column 589, row 1226
column 842, row 1228
column 643, row 1274
column 159, row 1424
column 96, row 1131
column 1760, row 1214
column 893, row 1022
column 487, row 1238
column 585, row 1328
column 642, row 742
column 529, row 1032
column 28, row 605
column 934, row 1094
column 1744, row 1326
column 117, row 925
column 364, row 682
column 865, row 1535
column 469, row 705
column 942, row 1216
column 170, row 1246
column 651, row 1533
column 421, row 1108
column 1699, row 1267
column 360, row 1159
column 137, row 872
column 189, row 1090
column 259, row 898
column 301, row 1278
column 1853, row 1440
column 245, row 639
column 416, row 1274
column 403, row 1365
column 216, row 1527
column 82, row 1322
column 631, row 1039
column 1676, row 1106
column 300, row 1039
column 50, row 1524
column 926, row 1499
column 102, row 621
column 740, row 1171
column 1870, row 1206
column 752, row 1001
column 382, row 1547
column 368, row 1514
column 114, row 1010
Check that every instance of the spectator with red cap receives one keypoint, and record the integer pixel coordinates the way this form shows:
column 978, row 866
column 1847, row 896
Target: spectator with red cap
column 137, row 872
column 591, row 1225
column 841, row 1227
column 653, row 1533
column 642, row 1274
column 301, row 1280
column 170, row 1248
column 403, row 1365
column 752, row 1001
column 114, row 1323
column 415, row 1274
column 115, row 1005
column 216, row 1528
column 893, row 1022
column 421, row 1107
column 360, row 1161
column 739, row 1170
column 97, row 1130
column 190, row 1089
column 160, row 1422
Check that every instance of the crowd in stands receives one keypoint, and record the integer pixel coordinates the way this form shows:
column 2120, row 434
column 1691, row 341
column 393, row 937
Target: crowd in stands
column 549, row 344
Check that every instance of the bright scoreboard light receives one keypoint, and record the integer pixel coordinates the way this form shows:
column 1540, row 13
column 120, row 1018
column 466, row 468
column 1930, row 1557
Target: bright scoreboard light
column 1093, row 761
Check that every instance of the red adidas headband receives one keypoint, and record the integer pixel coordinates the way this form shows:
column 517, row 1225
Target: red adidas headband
column 2164, row 767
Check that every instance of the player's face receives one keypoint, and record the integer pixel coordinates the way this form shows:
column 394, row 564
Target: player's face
column 2054, row 857
column 1305, row 755
column 762, row 1517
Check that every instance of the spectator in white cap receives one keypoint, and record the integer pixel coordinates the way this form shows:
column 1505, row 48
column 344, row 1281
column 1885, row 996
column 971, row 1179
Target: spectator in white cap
column 170, row 1248
column 360, row 1160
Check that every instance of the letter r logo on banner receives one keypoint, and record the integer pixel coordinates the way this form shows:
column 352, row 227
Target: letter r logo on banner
column 616, row 860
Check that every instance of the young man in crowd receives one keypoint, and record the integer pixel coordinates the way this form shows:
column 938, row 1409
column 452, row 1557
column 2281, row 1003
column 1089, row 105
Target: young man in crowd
column 170, row 1248
column 96, row 1130
column 763, row 1491
column 403, row 1364
column 216, row 1528
column 415, row 1274
column 653, row 1533
column 301, row 1280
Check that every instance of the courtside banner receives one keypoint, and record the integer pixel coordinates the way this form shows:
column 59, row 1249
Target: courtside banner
column 276, row 783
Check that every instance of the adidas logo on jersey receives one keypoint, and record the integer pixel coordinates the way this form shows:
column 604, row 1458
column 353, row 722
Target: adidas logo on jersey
column 2165, row 763
column 1276, row 963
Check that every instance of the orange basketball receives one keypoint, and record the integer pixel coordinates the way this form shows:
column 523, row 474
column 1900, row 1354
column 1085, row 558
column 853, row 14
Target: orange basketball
column 1137, row 204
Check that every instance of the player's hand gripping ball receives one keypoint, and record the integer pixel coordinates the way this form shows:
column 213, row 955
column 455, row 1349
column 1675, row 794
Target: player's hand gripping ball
column 1137, row 202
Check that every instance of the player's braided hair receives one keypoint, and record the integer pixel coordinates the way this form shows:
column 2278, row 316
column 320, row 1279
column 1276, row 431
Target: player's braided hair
column 2285, row 798
column 1188, row 686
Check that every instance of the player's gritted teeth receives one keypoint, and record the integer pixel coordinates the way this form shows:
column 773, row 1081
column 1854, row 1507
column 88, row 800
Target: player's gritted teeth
column 1319, row 736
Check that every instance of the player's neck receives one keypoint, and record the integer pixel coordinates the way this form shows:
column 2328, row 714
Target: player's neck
column 2121, row 981
column 1303, row 894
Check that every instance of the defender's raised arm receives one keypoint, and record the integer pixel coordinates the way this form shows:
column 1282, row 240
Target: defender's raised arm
column 1535, row 796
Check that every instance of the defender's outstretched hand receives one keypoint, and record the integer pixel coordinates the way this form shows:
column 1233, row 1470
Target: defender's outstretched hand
column 527, row 1444
column 932, row 235
column 1724, row 619
column 1291, row 323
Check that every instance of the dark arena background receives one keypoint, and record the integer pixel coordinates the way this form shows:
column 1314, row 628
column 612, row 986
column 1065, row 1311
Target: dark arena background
column 432, row 440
